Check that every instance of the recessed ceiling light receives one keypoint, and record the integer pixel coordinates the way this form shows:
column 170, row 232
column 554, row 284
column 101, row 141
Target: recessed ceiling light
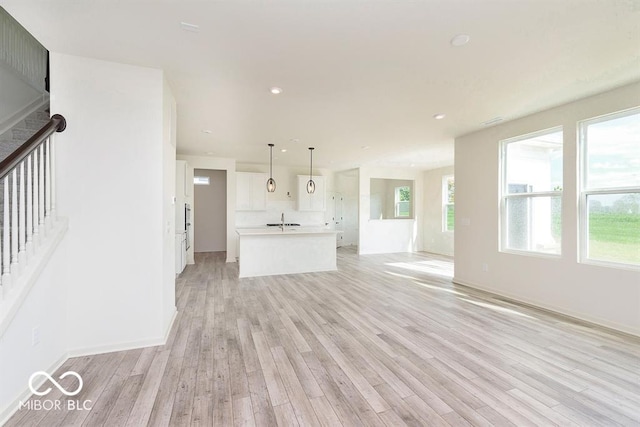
column 412, row 165
column 460, row 40
column 439, row 116
column 190, row 27
column 275, row 90
column 365, row 147
column 284, row 150
column 210, row 153
column 206, row 130
column 295, row 140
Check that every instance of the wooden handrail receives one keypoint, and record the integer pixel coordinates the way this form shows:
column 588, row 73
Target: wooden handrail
column 57, row 123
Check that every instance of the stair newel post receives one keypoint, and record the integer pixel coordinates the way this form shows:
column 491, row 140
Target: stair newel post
column 47, row 180
column 22, row 212
column 14, row 222
column 6, row 243
column 41, row 202
column 29, row 206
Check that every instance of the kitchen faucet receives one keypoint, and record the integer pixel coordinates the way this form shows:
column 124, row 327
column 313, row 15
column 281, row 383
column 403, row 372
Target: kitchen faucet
column 282, row 221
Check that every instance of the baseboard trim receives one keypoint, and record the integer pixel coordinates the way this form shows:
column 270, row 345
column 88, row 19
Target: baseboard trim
column 571, row 315
column 171, row 322
column 10, row 410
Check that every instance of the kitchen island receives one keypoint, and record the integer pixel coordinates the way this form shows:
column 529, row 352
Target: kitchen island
column 266, row 252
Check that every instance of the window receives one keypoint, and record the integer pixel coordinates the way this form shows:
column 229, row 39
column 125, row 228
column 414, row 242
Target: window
column 403, row 202
column 448, row 193
column 610, row 188
column 531, row 193
column 201, row 180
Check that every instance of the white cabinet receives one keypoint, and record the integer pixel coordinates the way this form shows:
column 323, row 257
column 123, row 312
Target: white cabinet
column 251, row 191
column 315, row 201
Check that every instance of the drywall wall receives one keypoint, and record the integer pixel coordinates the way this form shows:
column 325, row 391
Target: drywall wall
column 389, row 235
column 435, row 240
column 214, row 163
column 604, row 295
column 16, row 94
column 114, row 185
column 346, row 183
column 210, row 213
column 169, row 118
column 44, row 310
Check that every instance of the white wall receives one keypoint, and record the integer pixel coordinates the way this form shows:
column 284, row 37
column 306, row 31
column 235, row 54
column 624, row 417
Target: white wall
column 43, row 308
column 169, row 118
column 114, row 185
column 608, row 296
column 389, row 235
column 210, row 213
column 435, row 240
column 215, row 163
column 346, row 183
column 16, row 95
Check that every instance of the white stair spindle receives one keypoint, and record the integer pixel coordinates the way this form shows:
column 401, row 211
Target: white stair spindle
column 6, row 243
column 36, row 205
column 22, row 212
column 52, row 152
column 14, row 223
column 41, row 173
column 47, row 180
column 29, row 206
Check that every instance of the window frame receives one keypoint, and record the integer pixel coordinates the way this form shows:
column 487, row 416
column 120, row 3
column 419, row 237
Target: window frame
column 504, row 195
column 397, row 201
column 584, row 192
column 446, row 204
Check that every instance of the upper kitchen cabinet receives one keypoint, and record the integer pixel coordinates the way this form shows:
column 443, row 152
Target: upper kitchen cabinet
column 251, row 191
column 315, row 201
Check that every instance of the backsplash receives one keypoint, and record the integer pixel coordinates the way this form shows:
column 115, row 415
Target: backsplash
column 273, row 213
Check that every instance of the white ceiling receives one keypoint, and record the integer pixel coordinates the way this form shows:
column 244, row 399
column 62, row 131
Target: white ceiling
column 354, row 73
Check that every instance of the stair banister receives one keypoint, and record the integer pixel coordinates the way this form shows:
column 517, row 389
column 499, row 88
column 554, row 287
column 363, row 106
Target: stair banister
column 28, row 211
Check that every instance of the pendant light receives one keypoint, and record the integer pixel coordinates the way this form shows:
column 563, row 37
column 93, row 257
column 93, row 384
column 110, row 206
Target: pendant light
column 271, row 183
column 311, row 186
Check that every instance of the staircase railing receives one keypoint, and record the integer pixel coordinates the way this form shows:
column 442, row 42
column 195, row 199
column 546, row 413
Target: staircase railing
column 27, row 195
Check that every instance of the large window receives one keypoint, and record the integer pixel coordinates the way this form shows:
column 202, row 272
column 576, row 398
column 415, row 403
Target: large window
column 531, row 193
column 448, row 199
column 610, row 188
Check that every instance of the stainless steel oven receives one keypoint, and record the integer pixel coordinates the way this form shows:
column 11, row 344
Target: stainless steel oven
column 187, row 222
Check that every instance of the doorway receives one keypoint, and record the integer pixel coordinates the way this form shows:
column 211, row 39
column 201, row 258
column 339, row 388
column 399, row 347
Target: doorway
column 210, row 210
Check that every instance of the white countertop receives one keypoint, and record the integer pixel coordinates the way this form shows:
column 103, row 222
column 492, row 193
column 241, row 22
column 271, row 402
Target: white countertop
column 287, row 231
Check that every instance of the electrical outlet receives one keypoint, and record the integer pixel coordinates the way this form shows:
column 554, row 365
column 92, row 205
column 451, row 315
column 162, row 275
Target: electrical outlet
column 485, row 267
column 35, row 336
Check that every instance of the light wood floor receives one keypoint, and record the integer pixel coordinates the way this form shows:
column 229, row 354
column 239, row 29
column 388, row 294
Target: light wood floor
column 386, row 340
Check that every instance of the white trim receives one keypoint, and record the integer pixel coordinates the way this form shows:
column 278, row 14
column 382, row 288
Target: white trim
column 125, row 346
column 578, row 316
column 12, row 408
